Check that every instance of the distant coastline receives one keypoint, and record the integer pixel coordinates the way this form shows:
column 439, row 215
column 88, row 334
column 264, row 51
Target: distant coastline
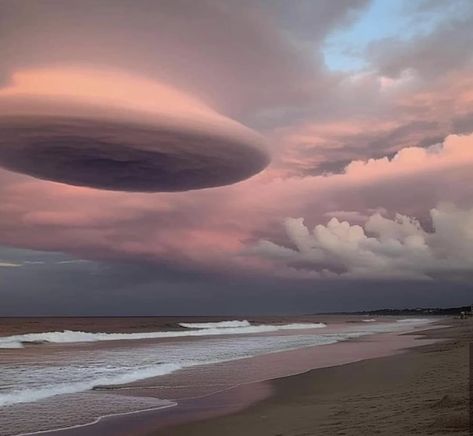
column 409, row 311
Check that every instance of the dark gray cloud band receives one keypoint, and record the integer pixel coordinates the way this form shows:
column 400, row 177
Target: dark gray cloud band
column 124, row 156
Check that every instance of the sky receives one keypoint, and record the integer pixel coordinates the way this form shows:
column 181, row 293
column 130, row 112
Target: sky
column 235, row 157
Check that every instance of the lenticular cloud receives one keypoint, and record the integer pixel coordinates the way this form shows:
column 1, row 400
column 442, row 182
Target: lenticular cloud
column 114, row 132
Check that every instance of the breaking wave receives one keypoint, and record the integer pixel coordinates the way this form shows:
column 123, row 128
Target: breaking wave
column 414, row 320
column 205, row 329
column 218, row 324
column 35, row 394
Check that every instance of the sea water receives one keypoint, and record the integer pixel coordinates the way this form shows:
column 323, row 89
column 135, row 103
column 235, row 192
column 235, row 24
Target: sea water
column 68, row 378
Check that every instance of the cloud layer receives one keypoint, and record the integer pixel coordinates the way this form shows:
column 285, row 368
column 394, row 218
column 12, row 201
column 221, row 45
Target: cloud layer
column 218, row 229
column 139, row 97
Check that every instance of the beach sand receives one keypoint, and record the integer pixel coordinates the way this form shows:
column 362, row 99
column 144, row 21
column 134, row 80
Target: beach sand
column 423, row 391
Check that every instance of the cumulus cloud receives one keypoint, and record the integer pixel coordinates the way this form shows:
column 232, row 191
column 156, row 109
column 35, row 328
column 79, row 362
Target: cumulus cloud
column 390, row 248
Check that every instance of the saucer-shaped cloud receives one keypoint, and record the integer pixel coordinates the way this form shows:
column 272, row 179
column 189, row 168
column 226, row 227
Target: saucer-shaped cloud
column 111, row 131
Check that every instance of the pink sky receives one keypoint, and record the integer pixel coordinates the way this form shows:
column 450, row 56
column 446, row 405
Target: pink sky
column 367, row 167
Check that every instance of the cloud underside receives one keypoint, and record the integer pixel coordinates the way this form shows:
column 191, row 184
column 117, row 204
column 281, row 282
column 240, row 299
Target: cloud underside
column 125, row 157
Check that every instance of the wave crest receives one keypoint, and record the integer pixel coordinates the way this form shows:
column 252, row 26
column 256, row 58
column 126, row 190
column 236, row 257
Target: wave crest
column 218, row 324
column 71, row 336
column 35, row 394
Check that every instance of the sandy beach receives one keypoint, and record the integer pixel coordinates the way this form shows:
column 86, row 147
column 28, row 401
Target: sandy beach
column 423, row 391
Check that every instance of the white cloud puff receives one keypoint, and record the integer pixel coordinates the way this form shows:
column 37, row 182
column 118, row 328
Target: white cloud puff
column 383, row 247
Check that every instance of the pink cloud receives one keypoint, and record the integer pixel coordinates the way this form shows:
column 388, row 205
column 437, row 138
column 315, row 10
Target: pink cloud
column 369, row 115
column 213, row 229
column 315, row 121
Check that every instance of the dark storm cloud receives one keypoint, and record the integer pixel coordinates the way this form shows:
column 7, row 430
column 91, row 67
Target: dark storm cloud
column 124, row 156
column 127, row 289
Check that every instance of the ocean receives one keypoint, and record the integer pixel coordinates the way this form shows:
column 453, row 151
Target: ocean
column 68, row 373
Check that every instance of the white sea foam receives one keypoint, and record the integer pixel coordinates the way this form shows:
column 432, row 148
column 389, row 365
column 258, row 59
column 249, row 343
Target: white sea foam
column 71, row 336
column 369, row 320
column 40, row 393
column 415, row 320
column 218, row 324
column 13, row 344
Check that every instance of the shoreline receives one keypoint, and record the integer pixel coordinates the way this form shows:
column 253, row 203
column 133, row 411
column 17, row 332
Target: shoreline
column 422, row 390
column 237, row 400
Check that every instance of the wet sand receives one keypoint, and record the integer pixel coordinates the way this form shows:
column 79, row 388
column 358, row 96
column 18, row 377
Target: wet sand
column 423, row 391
